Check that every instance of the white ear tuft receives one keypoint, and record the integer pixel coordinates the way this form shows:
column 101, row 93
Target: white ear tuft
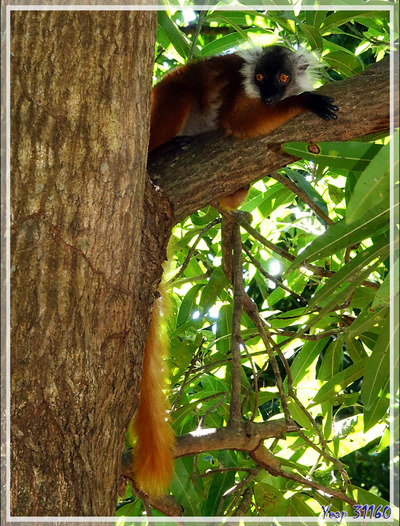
column 250, row 56
column 307, row 65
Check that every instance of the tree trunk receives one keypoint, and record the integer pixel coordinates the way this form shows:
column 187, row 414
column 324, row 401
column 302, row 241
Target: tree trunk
column 86, row 249
column 89, row 234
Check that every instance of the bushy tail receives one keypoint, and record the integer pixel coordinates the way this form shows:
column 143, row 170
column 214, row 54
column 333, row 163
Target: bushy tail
column 153, row 462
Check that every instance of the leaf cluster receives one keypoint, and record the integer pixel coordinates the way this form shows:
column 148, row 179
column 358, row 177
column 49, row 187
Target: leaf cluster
column 316, row 264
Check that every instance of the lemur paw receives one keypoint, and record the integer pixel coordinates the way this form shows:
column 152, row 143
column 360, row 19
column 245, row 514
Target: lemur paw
column 321, row 105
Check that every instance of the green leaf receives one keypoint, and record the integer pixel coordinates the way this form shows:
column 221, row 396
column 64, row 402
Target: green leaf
column 182, row 486
column 220, row 483
column 312, row 35
column 224, row 43
column 335, row 193
column 297, row 414
column 348, row 65
column 188, row 304
column 224, row 328
column 348, row 155
column 363, row 496
column 331, row 361
column 162, row 37
column 298, row 508
column 274, row 198
column 341, row 295
column 270, row 501
column 174, row 34
column 342, row 235
column 233, row 18
column 340, row 381
column 216, row 284
column 355, row 349
column 379, row 407
column 308, row 354
column 301, row 181
column 342, row 17
column 382, row 296
column 377, row 371
column 350, row 270
column 366, row 320
column 372, row 187
column 314, row 17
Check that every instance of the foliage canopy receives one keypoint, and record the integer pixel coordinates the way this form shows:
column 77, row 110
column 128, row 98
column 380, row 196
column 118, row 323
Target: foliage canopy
column 320, row 279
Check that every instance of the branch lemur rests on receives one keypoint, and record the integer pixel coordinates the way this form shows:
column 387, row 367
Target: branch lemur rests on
column 244, row 94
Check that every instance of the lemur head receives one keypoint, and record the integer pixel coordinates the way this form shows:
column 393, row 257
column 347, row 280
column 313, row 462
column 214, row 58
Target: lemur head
column 276, row 72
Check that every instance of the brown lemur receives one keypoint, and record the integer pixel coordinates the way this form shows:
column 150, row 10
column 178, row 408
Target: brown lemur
column 244, row 94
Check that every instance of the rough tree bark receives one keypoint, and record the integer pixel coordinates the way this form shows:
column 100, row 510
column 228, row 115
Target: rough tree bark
column 81, row 274
column 89, row 235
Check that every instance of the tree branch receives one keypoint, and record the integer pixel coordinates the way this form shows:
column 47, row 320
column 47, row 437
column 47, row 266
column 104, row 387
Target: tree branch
column 213, row 166
column 235, row 414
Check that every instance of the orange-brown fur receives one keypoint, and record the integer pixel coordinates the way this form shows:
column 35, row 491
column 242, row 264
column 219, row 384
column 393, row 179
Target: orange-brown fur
column 233, row 201
column 209, row 92
column 151, row 431
column 202, row 86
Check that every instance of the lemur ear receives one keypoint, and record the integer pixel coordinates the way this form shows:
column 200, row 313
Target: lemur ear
column 303, row 67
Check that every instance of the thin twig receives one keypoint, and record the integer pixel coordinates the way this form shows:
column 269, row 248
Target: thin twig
column 285, row 181
column 258, row 266
column 244, row 504
column 235, row 415
column 252, row 312
column 308, row 337
column 264, row 458
column 240, row 486
column 211, row 472
column 223, row 395
column 192, row 249
column 319, row 271
column 187, row 374
column 199, row 25
column 250, row 389
column 326, row 455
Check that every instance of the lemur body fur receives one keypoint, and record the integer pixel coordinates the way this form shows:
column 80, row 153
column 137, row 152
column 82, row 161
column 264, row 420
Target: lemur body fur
column 244, row 94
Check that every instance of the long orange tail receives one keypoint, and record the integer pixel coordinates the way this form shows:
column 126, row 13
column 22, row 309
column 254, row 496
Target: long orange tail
column 153, row 462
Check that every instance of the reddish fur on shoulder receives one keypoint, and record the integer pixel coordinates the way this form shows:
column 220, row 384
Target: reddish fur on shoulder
column 154, row 446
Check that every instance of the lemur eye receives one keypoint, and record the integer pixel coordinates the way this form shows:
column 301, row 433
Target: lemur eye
column 284, row 78
column 259, row 77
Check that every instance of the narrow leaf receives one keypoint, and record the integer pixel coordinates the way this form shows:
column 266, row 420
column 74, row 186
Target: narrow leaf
column 377, row 371
column 349, row 270
column 379, row 407
column 348, row 65
column 355, row 350
column 188, row 304
column 301, row 181
column 342, row 17
column 312, row 35
column 372, row 187
column 224, row 43
column 382, row 296
column 308, row 354
column 340, row 381
column 175, row 35
column 348, row 155
column 366, row 320
column 341, row 235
